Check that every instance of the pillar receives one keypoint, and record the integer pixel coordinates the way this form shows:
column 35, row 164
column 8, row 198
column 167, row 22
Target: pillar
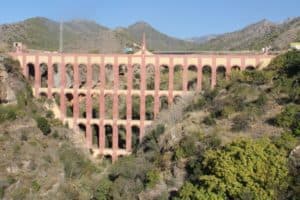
column 63, row 85
column 243, row 63
column 184, row 76
column 101, row 107
column 50, row 77
column 129, row 107
column 171, row 81
column 142, row 98
column 37, row 78
column 228, row 67
column 213, row 73
column 156, row 92
column 115, row 109
column 25, row 69
column 199, row 75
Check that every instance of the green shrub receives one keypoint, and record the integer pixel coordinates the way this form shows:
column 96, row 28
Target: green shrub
column 35, row 186
column 2, row 192
column 152, row 178
column 43, row 125
column 103, row 190
column 209, row 120
column 8, row 113
column 289, row 118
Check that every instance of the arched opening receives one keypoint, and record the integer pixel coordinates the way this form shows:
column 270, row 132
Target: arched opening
column 122, row 107
column 109, row 77
column 108, row 106
column 107, row 159
column 95, row 138
column 178, row 71
column 221, row 74
column 122, row 137
column 136, row 72
column 123, row 77
column 82, row 129
column 135, row 136
column 82, row 76
column 235, row 68
column 164, row 77
column 69, row 76
column 82, row 105
column 250, row 68
column 135, row 107
column 56, row 75
column 31, row 72
column 150, row 77
column 206, row 77
column 56, row 98
column 95, row 106
column 108, row 136
column 95, row 76
column 43, row 95
column 44, row 75
column 177, row 99
column 69, row 105
column 192, row 78
column 163, row 103
column 149, row 107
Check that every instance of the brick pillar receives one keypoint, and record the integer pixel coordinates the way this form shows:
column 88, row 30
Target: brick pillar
column 75, row 94
column 228, row 67
column 142, row 98
column 129, row 107
column 184, row 76
column 37, row 78
column 101, row 107
column 50, row 77
column 24, row 64
column 213, row 73
column 199, row 75
column 88, row 134
column 157, row 83
column 89, row 104
column 115, row 109
column 62, row 93
column 257, row 60
column 171, row 81
column 243, row 63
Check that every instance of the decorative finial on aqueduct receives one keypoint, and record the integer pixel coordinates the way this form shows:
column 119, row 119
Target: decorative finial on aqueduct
column 144, row 42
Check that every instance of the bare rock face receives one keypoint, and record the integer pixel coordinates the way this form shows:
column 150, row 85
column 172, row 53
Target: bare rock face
column 7, row 95
column 10, row 80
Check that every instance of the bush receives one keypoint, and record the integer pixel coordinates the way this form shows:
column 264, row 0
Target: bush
column 152, row 178
column 240, row 123
column 43, row 125
column 290, row 118
column 35, row 186
column 209, row 121
column 8, row 113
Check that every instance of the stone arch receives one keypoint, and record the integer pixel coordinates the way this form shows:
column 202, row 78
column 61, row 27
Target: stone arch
column 136, row 76
column 82, row 129
column 109, row 77
column 192, row 77
column 206, row 77
column 122, row 107
column 150, row 77
column 31, row 72
column 163, row 102
column 149, row 107
column 135, row 107
column 250, row 68
column 177, row 99
column 82, row 73
column 178, row 77
column 69, row 75
column 43, row 95
column 121, row 137
column 95, row 106
column 221, row 73
column 56, row 75
column 108, row 101
column 56, row 98
column 69, row 104
column 95, row 135
column 135, row 136
column 123, row 75
column 108, row 136
column 96, row 76
column 82, row 105
column 164, row 77
column 44, row 75
column 235, row 68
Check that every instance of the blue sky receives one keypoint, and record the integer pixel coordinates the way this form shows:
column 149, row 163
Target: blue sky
column 179, row 18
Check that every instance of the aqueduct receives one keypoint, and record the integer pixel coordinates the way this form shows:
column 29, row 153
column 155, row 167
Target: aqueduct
column 101, row 82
